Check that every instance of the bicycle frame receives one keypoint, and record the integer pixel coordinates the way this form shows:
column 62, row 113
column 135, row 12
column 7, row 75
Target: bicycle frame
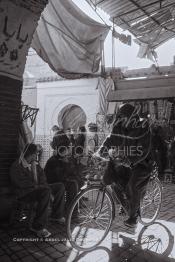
column 117, row 195
column 117, row 198
column 110, row 191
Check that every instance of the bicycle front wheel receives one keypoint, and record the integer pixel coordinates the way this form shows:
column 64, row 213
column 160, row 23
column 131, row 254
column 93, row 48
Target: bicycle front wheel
column 151, row 202
column 90, row 218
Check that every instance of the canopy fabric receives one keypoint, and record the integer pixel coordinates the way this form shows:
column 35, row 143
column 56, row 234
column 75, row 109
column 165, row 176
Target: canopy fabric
column 68, row 40
column 152, row 22
column 104, row 86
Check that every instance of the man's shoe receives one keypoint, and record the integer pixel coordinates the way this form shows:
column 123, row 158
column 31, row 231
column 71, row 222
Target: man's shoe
column 42, row 233
column 131, row 222
column 61, row 220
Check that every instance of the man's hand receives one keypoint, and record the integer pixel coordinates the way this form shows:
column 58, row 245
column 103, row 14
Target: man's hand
column 111, row 153
column 97, row 157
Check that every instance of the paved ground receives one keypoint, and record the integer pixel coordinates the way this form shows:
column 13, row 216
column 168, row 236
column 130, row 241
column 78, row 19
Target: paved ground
column 152, row 244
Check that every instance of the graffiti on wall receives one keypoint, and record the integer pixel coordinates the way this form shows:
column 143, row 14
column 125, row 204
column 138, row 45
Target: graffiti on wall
column 16, row 35
column 34, row 6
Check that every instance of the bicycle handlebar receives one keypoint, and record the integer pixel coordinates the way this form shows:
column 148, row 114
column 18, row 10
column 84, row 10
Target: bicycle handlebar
column 97, row 156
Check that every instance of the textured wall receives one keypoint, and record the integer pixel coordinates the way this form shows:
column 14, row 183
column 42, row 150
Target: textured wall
column 10, row 106
column 18, row 21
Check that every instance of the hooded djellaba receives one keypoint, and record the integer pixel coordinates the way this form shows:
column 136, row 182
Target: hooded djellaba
column 130, row 138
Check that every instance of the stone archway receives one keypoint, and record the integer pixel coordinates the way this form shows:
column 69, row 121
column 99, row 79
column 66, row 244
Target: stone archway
column 71, row 116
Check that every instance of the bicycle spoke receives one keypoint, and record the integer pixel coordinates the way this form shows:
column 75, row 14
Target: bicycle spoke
column 103, row 208
column 85, row 205
column 84, row 223
column 102, row 217
column 82, row 216
column 94, row 216
column 104, row 223
column 98, row 224
column 84, row 213
column 150, row 203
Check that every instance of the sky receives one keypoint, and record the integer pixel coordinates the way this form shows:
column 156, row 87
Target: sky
column 126, row 56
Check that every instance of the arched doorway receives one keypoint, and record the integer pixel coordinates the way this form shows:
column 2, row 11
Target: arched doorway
column 71, row 116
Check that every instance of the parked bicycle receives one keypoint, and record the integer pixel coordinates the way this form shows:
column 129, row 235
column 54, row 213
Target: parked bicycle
column 93, row 211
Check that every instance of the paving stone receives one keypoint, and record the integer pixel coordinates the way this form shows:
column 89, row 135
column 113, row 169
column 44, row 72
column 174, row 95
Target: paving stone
column 3, row 234
column 6, row 239
column 22, row 253
column 46, row 259
column 39, row 254
column 62, row 259
column 33, row 249
column 5, row 259
column 7, row 251
column 49, row 250
column 45, row 245
column 56, row 255
column 29, row 259
column 16, row 248
column 58, row 247
column 63, row 248
column 11, row 243
column 14, row 257
column 28, row 245
column 2, row 252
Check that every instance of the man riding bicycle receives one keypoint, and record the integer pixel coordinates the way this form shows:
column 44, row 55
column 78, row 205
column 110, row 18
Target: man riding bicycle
column 131, row 161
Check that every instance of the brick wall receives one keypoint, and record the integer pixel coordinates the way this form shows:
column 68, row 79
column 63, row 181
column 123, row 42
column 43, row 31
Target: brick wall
column 10, row 106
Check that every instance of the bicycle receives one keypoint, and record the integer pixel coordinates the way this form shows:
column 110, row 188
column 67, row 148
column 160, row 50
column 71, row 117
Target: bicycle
column 93, row 211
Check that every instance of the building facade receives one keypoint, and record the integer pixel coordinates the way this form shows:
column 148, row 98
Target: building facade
column 55, row 97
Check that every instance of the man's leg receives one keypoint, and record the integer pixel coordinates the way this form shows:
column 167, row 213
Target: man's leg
column 41, row 195
column 121, row 177
column 58, row 206
column 71, row 191
column 139, row 178
column 108, row 175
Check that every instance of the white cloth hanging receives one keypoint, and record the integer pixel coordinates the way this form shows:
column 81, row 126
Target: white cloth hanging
column 104, row 86
column 68, row 40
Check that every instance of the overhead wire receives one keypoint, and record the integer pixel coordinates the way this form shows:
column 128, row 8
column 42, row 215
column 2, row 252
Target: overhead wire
column 92, row 5
column 111, row 29
column 113, row 50
column 102, row 47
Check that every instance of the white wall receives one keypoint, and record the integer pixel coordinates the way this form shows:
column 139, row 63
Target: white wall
column 55, row 95
column 29, row 96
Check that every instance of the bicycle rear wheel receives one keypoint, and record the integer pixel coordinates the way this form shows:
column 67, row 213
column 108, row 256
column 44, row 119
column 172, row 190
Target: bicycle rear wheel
column 151, row 202
column 90, row 218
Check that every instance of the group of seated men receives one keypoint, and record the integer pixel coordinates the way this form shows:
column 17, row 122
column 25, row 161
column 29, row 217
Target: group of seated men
column 55, row 184
column 129, row 132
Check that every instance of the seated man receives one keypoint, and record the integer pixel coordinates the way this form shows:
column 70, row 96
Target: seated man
column 30, row 186
column 57, row 133
column 58, row 169
column 131, row 161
